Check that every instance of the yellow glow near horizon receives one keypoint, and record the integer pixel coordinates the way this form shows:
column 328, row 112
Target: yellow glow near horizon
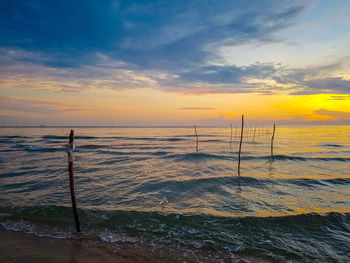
column 153, row 105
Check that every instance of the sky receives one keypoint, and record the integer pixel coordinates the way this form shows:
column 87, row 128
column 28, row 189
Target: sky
column 180, row 62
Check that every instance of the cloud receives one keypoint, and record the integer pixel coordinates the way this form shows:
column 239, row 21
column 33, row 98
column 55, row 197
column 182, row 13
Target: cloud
column 337, row 97
column 219, row 120
column 227, row 74
column 320, row 79
column 336, row 85
column 34, row 106
column 149, row 34
column 169, row 45
column 329, row 85
column 104, row 74
column 197, row 108
column 335, row 115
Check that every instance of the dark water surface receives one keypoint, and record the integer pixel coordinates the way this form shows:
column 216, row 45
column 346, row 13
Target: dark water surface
column 294, row 208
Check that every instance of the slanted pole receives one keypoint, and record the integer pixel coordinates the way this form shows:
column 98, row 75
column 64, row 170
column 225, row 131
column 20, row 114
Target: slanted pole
column 254, row 133
column 195, row 131
column 231, row 137
column 240, row 148
column 272, row 138
column 70, row 148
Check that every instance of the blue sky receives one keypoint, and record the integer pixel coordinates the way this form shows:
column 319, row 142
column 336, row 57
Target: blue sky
column 185, row 47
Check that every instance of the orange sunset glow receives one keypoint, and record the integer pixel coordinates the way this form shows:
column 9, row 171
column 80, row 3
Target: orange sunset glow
column 177, row 71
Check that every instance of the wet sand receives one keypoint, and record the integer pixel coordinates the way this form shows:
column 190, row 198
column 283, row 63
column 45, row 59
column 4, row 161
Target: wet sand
column 21, row 247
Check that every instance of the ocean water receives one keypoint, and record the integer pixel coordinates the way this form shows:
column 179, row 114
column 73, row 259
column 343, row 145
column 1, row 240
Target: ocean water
column 295, row 207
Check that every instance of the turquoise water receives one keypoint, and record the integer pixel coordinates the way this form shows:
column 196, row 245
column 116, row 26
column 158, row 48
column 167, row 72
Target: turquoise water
column 296, row 207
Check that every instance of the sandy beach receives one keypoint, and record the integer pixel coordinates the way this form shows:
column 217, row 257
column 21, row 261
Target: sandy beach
column 21, row 247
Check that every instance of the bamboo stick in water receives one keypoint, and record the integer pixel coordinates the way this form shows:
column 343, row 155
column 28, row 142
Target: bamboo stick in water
column 195, row 131
column 70, row 148
column 240, row 148
column 254, row 133
column 231, row 137
column 272, row 138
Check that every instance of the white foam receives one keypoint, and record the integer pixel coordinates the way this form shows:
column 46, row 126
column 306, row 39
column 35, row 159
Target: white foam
column 112, row 238
column 27, row 228
column 34, row 148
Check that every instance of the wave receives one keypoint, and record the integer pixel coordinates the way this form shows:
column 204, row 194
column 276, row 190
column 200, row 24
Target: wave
column 207, row 156
column 12, row 136
column 102, row 151
column 216, row 183
column 134, row 153
column 159, row 153
column 314, row 183
column 12, row 139
column 298, row 158
column 331, row 145
column 33, row 148
column 214, row 140
column 191, row 156
column 198, row 156
column 169, row 139
column 56, row 137
column 199, row 135
column 173, row 139
column 308, row 237
column 59, row 139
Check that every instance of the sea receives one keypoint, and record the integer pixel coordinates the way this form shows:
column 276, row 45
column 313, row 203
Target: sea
column 156, row 185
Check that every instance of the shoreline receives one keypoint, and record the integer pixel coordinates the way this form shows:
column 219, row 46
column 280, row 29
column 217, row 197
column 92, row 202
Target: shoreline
column 21, row 247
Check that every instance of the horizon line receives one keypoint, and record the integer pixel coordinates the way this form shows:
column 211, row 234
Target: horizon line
column 161, row 126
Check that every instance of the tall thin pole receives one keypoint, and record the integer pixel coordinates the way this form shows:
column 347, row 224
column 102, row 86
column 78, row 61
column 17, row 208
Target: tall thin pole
column 254, row 133
column 195, row 131
column 70, row 148
column 273, row 136
column 240, row 148
column 231, row 137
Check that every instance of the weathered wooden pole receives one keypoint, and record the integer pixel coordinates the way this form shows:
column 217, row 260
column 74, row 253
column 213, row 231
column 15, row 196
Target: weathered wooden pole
column 273, row 136
column 195, row 131
column 254, row 133
column 69, row 149
column 240, row 148
column 231, row 137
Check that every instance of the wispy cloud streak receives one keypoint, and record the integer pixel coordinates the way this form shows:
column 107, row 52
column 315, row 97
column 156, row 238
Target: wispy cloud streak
column 168, row 45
